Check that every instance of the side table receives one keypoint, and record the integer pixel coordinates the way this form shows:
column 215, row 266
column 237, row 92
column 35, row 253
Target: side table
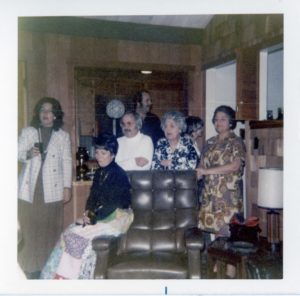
column 220, row 254
column 265, row 263
column 260, row 263
column 75, row 207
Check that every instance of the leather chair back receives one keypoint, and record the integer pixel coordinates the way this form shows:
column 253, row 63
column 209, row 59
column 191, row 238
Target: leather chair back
column 165, row 203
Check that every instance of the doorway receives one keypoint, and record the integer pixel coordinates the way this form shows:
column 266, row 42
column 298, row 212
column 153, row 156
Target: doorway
column 220, row 90
column 271, row 81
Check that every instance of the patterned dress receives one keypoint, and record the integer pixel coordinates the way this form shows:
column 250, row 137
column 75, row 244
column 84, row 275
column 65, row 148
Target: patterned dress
column 222, row 196
column 73, row 256
column 183, row 158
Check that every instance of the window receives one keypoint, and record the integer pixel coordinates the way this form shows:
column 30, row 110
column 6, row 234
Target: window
column 271, row 81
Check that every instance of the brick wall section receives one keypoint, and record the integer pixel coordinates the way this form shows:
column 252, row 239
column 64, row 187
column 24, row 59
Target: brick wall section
column 167, row 93
column 225, row 33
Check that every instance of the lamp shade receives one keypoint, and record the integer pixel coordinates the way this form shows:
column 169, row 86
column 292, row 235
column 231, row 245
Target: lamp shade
column 270, row 188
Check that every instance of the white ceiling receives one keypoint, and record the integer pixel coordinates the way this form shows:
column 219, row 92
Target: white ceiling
column 187, row 21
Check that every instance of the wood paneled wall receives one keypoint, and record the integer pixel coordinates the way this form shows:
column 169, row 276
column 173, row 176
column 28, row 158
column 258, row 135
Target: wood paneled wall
column 51, row 61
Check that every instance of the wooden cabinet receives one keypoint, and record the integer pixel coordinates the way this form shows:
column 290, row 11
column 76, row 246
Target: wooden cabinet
column 264, row 145
column 75, row 207
column 247, row 83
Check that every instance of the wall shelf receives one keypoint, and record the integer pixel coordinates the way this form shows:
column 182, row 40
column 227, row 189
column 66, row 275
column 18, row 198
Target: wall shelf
column 257, row 124
column 264, row 146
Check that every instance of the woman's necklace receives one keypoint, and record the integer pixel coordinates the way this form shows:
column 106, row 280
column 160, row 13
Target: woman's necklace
column 173, row 145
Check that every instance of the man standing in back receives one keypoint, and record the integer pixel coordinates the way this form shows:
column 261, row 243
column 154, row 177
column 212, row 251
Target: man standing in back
column 150, row 121
column 135, row 149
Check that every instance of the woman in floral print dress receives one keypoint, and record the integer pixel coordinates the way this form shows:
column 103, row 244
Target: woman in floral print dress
column 222, row 163
column 174, row 152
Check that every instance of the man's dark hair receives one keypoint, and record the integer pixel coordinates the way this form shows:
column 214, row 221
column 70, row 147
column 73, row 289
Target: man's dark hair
column 138, row 97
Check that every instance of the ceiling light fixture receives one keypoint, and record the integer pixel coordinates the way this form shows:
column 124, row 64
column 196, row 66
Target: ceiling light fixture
column 146, row 72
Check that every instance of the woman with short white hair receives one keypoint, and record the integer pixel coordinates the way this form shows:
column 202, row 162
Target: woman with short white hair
column 174, row 152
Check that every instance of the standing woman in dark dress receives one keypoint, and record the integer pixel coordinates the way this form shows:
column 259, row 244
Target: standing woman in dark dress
column 44, row 184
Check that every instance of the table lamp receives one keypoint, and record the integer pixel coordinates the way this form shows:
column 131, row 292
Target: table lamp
column 270, row 196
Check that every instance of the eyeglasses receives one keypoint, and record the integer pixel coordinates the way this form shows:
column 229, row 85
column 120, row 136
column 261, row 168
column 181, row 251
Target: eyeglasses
column 45, row 111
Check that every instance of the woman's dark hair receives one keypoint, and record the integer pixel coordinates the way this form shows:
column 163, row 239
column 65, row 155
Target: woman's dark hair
column 193, row 123
column 107, row 142
column 56, row 110
column 138, row 97
column 229, row 112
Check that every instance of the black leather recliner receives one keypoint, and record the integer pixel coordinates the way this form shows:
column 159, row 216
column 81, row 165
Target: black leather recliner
column 163, row 241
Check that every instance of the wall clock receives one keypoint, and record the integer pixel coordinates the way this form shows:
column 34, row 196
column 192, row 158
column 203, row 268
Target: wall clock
column 115, row 109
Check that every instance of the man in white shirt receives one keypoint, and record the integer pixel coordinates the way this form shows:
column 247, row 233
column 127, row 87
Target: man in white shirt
column 135, row 149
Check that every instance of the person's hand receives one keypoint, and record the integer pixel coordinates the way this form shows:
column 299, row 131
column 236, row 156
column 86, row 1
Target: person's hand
column 85, row 218
column 33, row 152
column 200, row 172
column 166, row 163
column 141, row 161
column 67, row 195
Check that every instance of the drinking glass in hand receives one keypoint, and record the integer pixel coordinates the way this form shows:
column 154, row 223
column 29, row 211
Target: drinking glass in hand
column 40, row 146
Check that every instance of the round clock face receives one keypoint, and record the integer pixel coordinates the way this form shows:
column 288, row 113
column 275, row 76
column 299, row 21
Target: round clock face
column 115, row 109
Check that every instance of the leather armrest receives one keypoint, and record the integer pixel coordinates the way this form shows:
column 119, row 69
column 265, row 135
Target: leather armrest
column 102, row 243
column 194, row 244
column 105, row 247
column 194, row 238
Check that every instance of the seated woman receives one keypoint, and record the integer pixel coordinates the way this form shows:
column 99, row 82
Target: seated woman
column 106, row 213
column 174, row 152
